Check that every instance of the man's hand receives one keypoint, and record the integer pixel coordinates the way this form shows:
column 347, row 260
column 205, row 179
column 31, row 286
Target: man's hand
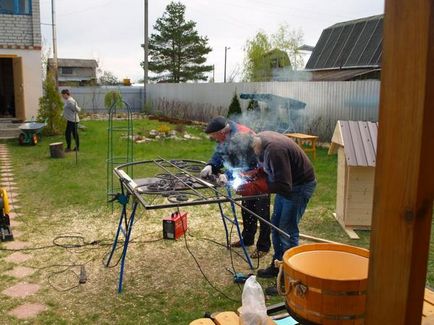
column 258, row 186
column 206, row 172
column 222, row 180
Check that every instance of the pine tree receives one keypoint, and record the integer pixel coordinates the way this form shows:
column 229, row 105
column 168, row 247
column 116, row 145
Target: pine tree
column 234, row 107
column 176, row 50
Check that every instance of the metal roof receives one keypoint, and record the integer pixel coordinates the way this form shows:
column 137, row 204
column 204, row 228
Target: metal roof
column 351, row 44
column 359, row 140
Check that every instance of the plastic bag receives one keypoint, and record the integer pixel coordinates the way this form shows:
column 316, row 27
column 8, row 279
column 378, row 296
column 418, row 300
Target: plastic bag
column 253, row 310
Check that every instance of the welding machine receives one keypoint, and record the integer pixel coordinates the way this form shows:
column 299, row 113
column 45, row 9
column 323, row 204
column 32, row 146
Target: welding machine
column 5, row 225
column 175, row 226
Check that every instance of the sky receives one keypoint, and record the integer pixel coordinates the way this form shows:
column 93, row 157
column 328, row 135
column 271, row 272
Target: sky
column 111, row 31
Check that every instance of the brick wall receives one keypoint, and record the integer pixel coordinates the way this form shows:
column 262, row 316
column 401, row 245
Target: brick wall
column 21, row 30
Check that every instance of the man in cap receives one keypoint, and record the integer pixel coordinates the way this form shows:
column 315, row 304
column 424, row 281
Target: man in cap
column 291, row 176
column 226, row 154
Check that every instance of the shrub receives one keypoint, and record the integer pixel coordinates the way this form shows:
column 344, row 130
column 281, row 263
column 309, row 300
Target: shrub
column 51, row 107
column 164, row 128
column 234, row 107
column 113, row 99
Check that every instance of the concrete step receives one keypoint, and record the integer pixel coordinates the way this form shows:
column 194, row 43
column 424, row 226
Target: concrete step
column 9, row 130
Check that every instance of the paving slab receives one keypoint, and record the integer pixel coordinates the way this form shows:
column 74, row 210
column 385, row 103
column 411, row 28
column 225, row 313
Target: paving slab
column 20, row 272
column 22, row 290
column 17, row 258
column 27, row 310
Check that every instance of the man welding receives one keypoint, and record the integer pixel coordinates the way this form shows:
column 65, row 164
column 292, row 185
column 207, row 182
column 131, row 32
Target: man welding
column 289, row 174
column 226, row 155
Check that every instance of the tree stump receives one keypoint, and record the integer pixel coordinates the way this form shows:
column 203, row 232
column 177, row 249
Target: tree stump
column 56, row 150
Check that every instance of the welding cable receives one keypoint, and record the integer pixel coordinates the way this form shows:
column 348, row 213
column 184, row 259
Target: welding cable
column 200, row 268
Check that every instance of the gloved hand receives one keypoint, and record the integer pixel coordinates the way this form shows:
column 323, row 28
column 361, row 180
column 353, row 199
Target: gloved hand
column 206, row 172
column 255, row 187
column 222, row 180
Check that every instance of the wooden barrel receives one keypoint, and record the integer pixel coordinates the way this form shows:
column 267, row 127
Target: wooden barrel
column 56, row 150
column 326, row 283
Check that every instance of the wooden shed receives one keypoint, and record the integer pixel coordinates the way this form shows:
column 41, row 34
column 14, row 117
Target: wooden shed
column 355, row 142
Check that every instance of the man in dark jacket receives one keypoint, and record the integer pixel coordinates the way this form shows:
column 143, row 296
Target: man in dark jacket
column 291, row 176
column 226, row 155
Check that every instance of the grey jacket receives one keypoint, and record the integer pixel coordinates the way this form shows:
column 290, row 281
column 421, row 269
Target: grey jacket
column 70, row 110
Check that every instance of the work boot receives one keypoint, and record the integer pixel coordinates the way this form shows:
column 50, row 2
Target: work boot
column 68, row 150
column 269, row 272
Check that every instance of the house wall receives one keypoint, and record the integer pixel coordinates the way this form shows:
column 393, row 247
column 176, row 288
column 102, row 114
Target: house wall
column 21, row 30
column 32, row 78
column 359, row 196
column 79, row 72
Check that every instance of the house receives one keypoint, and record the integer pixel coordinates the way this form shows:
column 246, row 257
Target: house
column 350, row 50
column 75, row 72
column 20, row 59
column 355, row 142
column 272, row 61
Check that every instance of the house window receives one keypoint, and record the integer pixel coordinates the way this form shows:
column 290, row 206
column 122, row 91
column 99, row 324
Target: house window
column 66, row 70
column 16, row 7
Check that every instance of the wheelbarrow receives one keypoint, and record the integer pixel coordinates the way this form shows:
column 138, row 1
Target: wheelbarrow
column 30, row 132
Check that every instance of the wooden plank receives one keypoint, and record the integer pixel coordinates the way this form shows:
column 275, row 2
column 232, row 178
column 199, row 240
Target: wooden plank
column 429, row 296
column 404, row 181
column 348, row 230
column 428, row 309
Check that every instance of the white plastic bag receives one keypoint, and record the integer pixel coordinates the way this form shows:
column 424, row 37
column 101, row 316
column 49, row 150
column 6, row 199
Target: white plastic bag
column 253, row 310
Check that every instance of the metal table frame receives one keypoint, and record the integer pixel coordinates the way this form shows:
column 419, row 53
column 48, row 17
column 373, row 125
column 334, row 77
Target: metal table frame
column 129, row 189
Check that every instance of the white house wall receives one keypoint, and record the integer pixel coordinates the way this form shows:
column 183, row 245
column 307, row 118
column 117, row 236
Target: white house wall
column 32, row 78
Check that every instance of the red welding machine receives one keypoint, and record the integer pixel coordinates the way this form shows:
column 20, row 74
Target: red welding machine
column 175, row 226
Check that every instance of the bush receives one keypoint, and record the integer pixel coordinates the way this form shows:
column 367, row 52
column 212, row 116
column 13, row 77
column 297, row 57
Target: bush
column 113, row 99
column 234, row 107
column 51, row 107
column 253, row 105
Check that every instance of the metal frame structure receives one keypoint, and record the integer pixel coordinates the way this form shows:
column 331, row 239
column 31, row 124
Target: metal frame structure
column 197, row 191
column 114, row 160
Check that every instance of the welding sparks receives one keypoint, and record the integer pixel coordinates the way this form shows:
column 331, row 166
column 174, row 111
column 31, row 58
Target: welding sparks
column 237, row 180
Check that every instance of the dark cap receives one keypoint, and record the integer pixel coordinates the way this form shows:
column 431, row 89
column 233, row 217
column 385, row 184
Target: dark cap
column 216, row 124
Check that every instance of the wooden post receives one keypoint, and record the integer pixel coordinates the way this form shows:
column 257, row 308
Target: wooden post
column 404, row 184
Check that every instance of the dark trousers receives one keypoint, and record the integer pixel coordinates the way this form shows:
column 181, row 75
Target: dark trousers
column 261, row 207
column 72, row 130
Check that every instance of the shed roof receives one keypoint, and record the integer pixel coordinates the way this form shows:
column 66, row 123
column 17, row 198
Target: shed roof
column 359, row 140
column 350, row 44
column 74, row 63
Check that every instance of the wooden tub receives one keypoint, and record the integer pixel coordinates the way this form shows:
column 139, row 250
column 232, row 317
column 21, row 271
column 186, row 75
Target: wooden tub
column 326, row 283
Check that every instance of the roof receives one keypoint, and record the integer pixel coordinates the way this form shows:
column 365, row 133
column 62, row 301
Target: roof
column 306, row 47
column 350, row 44
column 74, row 63
column 359, row 140
column 341, row 75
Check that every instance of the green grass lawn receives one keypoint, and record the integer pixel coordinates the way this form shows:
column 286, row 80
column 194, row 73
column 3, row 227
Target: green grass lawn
column 162, row 283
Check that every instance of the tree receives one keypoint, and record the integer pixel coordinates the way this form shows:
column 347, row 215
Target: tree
column 234, row 107
column 108, row 79
column 289, row 41
column 50, row 107
column 263, row 49
column 177, row 52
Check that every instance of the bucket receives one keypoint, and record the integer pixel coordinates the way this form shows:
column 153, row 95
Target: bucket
column 326, row 283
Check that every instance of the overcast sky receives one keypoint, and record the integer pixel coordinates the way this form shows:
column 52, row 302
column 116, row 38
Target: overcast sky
column 111, row 31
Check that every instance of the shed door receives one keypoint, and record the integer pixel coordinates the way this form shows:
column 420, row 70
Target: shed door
column 17, row 64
